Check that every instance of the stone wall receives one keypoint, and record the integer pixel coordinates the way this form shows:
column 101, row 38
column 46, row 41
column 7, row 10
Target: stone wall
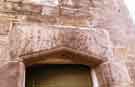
column 99, row 27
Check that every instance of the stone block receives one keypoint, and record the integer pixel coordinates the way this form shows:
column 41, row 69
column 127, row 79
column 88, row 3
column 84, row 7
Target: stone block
column 74, row 21
column 50, row 11
column 31, row 8
column 10, row 74
column 4, row 27
column 54, row 20
column 4, row 48
column 76, row 3
column 4, row 53
column 112, row 73
column 121, row 53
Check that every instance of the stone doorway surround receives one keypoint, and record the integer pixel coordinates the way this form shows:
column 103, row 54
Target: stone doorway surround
column 101, row 73
column 63, row 56
column 32, row 43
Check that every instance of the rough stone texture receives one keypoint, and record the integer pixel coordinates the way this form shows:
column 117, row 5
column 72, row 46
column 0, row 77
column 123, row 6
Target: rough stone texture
column 26, row 39
column 112, row 73
column 9, row 74
column 4, row 41
column 99, row 27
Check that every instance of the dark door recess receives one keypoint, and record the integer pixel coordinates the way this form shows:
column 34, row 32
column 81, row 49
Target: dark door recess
column 58, row 75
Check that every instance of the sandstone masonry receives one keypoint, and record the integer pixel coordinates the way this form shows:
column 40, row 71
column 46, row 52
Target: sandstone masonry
column 95, row 32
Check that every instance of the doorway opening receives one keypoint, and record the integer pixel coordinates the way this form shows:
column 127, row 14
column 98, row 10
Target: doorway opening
column 58, row 75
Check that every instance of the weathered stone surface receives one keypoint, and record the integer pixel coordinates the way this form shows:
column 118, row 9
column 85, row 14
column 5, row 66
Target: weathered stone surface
column 9, row 74
column 121, row 53
column 112, row 72
column 42, row 2
column 4, row 27
column 14, row 0
column 100, row 27
column 20, row 8
column 4, row 48
column 71, row 21
column 27, row 39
